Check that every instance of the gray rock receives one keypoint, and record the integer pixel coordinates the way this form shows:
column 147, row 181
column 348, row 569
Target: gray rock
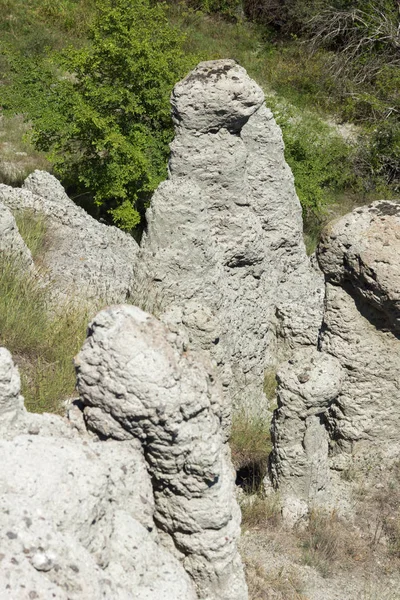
column 11, row 243
column 46, row 186
column 362, row 250
column 360, row 255
column 76, row 514
column 223, row 256
column 356, row 428
column 150, row 387
column 83, row 257
column 11, row 401
column 307, row 386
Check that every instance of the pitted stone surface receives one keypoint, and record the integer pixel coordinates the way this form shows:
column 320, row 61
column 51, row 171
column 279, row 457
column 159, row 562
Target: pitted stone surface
column 83, row 257
column 216, row 94
column 76, row 514
column 11, row 401
column 307, row 386
column 150, row 387
column 223, row 252
column 359, row 256
column 362, row 249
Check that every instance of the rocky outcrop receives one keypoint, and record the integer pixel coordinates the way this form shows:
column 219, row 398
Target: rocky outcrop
column 223, row 257
column 142, row 505
column 359, row 255
column 357, row 402
column 82, row 258
column 138, row 381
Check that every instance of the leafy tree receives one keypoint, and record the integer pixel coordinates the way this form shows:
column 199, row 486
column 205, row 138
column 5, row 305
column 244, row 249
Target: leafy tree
column 105, row 118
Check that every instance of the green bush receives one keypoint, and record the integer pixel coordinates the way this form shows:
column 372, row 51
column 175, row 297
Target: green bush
column 102, row 111
column 230, row 9
column 321, row 160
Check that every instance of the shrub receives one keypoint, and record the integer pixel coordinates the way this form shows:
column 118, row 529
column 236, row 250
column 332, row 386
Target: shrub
column 321, row 160
column 102, row 111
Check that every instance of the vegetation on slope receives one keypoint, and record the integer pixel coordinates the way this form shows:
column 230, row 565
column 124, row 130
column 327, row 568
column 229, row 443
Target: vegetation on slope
column 102, row 111
column 107, row 134
column 42, row 340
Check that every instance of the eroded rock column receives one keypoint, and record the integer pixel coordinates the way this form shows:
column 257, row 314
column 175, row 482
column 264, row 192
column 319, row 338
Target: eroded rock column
column 335, row 423
column 139, row 380
column 308, row 384
column 223, row 257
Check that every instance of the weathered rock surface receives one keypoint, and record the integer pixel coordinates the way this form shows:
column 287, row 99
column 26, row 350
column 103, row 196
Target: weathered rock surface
column 11, row 401
column 307, row 386
column 134, row 515
column 83, row 257
column 360, row 257
column 355, row 423
column 223, row 257
column 11, row 243
column 362, row 249
column 137, row 380
column 76, row 514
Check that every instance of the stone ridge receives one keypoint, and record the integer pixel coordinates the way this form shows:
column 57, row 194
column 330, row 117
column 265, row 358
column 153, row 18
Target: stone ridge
column 223, row 258
column 83, row 257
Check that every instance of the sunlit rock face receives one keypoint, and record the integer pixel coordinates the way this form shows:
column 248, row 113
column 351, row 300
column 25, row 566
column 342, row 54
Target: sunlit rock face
column 82, row 258
column 223, row 257
column 355, row 425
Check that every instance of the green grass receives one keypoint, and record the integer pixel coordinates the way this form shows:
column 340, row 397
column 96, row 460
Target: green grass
column 42, row 339
column 33, row 229
column 18, row 157
column 250, row 440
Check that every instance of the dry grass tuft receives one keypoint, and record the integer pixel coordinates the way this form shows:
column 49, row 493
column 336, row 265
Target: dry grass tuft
column 329, row 543
column 270, row 385
column 250, row 443
column 250, row 440
column 260, row 511
column 278, row 584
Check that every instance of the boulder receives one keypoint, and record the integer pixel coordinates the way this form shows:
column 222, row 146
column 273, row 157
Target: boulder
column 83, row 258
column 222, row 258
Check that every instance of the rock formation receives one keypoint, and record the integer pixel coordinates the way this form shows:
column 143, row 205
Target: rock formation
column 307, row 386
column 130, row 512
column 223, row 257
column 137, row 380
column 11, row 243
column 359, row 255
column 350, row 413
column 83, row 257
